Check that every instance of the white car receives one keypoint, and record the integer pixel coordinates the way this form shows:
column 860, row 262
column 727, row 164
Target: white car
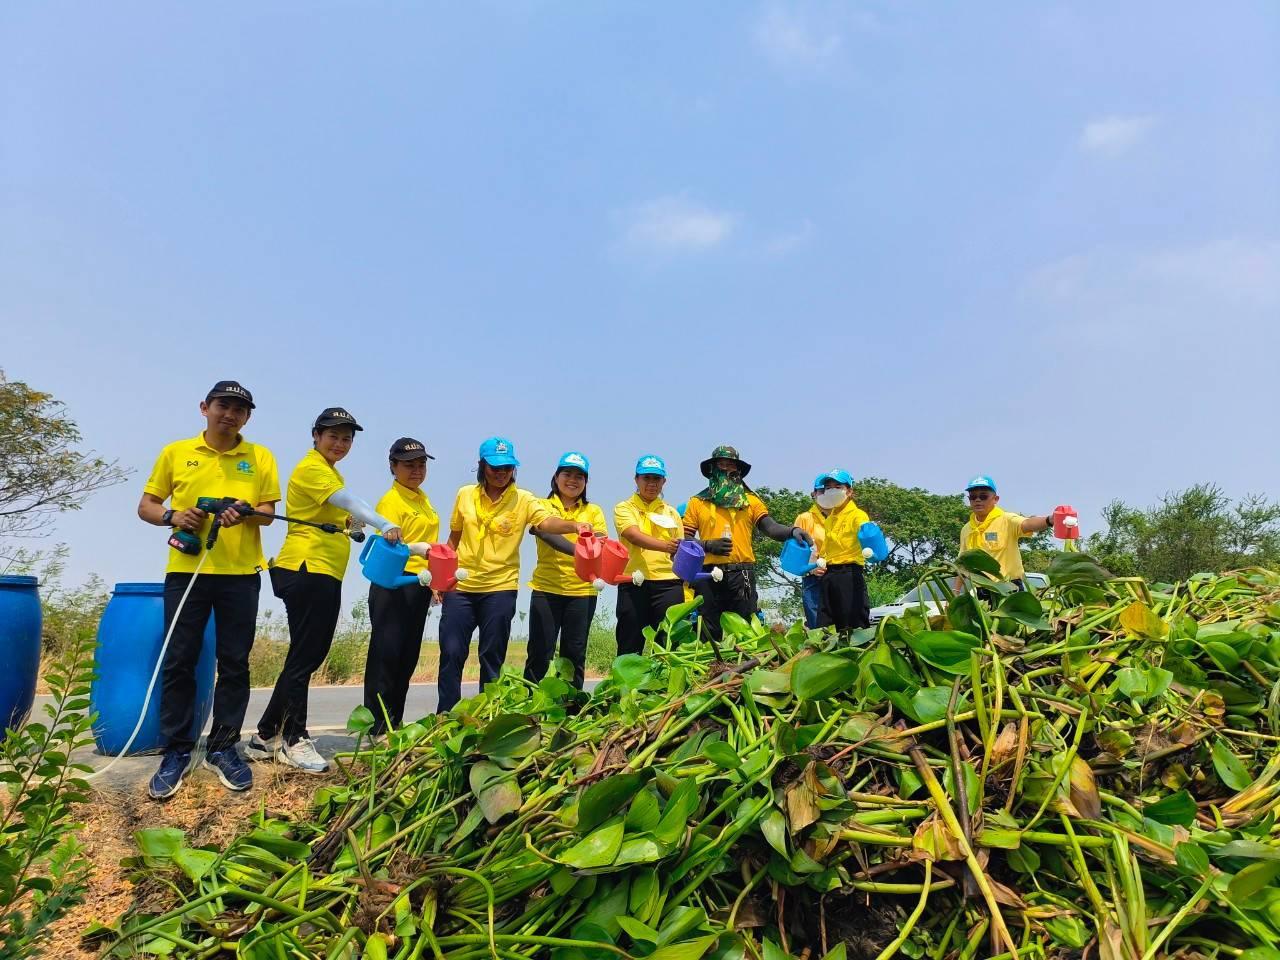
column 932, row 601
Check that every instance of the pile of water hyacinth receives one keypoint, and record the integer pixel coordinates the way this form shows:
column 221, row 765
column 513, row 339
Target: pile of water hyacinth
column 1093, row 771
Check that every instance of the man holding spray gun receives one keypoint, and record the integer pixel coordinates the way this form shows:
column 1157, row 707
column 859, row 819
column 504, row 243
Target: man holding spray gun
column 219, row 463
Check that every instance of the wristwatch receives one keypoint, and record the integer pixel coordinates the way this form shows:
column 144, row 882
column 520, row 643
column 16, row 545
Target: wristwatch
column 167, row 518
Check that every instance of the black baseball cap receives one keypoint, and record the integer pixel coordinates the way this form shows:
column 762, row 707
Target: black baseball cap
column 231, row 390
column 335, row 417
column 407, row 448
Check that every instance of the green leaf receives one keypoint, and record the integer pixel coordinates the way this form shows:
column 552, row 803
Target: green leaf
column 1246, row 850
column 510, row 735
column 495, row 789
column 948, row 650
column 1253, row 878
column 688, row 950
column 1230, row 770
column 195, row 863
column 675, row 818
column 598, row 849
column 637, row 931
column 159, row 842
column 1191, row 858
column 722, row 755
column 644, row 814
column 1177, row 809
column 604, row 798
column 630, row 671
column 979, row 561
column 822, row 675
column 930, row 703
column 361, row 721
column 774, row 828
column 1223, row 655
column 1023, row 607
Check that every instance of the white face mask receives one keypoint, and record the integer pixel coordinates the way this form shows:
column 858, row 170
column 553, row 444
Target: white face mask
column 830, row 499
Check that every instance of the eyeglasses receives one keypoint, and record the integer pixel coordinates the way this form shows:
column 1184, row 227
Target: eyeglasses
column 980, row 496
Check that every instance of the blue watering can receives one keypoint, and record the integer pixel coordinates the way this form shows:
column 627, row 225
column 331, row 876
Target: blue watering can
column 383, row 564
column 687, row 563
column 871, row 537
column 797, row 559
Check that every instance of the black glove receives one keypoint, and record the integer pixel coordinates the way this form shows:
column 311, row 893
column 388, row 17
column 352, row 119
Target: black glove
column 720, row 546
column 802, row 536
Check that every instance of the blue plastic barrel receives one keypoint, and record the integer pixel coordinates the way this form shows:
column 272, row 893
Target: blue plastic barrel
column 130, row 635
column 19, row 648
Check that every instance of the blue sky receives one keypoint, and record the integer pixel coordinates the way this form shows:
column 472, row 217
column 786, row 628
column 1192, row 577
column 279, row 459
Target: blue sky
column 914, row 240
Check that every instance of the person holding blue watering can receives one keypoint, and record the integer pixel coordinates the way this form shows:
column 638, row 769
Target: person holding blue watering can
column 222, row 581
column 844, row 586
column 813, row 522
column 650, row 529
column 398, row 617
column 725, row 516
column 563, row 604
column 488, row 521
column 991, row 529
column 307, row 575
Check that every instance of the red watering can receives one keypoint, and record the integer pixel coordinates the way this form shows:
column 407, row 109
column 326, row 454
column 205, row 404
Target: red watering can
column 442, row 573
column 586, row 558
column 1066, row 523
column 613, row 564
column 601, row 562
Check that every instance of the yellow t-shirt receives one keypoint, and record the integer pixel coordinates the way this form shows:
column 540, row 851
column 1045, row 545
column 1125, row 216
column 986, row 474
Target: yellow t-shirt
column 706, row 521
column 311, row 485
column 998, row 535
column 841, row 543
column 634, row 512
column 814, row 522
column 554, row 572
column 412, row 512
column 188, row 469
column 490, row 546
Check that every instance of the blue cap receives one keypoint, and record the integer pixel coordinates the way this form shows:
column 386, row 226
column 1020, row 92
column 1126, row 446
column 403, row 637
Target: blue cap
column 682, row 508
column 576, row 460
column 499, row 452
column 652, row 465
column 842, row 477
column 981, row 480
column 818, row 481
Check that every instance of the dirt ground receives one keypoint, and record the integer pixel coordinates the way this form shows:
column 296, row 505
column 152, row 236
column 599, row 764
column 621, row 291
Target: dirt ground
column 208, row 812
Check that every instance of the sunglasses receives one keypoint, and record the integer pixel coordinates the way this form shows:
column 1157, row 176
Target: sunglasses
column 981, row 496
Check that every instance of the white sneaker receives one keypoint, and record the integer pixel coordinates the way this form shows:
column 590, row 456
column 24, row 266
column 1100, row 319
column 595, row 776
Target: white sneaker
column 302, row 754
column 259, row 749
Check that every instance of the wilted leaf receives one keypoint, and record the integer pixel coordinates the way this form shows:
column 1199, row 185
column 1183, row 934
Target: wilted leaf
column 496, row 790
column 1140, row 619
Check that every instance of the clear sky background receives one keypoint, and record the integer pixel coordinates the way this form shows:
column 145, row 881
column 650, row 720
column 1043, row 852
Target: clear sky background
column 917, row 241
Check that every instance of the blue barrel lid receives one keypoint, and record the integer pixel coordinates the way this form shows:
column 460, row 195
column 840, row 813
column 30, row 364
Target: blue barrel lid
column 139, row 589
column 18, row 581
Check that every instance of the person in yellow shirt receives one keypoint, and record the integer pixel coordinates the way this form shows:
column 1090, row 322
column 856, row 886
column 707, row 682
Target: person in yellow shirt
column 397, row 618
column 563, row 605
column 217, row 462
column 991, row 529
column 813, row 522
column 307, row 575
column 725, row 516
column 844, row 584
column 650, row 528
column 488, row 521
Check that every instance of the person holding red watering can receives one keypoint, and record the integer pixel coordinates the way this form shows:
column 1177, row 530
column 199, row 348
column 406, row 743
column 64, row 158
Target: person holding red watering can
column 307, row 575
column 725, row 516
column 488, row 520
column 218, row 462
column 845, row 605
column 563, row 604
column 991, row 529
column 650, row 529
column 398, row 617
column 813, row 522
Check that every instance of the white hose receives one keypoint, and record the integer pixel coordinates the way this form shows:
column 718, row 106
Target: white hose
column 146, row 701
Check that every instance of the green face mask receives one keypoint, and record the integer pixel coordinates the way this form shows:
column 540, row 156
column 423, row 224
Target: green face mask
column 725, row 490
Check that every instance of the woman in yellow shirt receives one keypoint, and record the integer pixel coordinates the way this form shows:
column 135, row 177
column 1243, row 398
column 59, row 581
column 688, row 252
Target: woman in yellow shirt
column 488, row 521
column 398, row 617
column 650, row 528
column 563, row 604
column 844, row 584
column 307, row 575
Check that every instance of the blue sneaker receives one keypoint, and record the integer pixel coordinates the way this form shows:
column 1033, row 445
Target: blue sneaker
column 168, row 779
column 231, row 770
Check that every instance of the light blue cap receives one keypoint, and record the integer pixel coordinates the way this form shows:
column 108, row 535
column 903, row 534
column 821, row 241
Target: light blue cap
column 981, row 480
column 499, row 452
column 842, row 477
column 818, row 481
column 576, row 460
column 652, row 465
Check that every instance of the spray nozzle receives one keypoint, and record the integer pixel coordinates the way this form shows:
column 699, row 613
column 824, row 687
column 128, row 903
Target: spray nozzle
column 717, row 574
column 424, row 578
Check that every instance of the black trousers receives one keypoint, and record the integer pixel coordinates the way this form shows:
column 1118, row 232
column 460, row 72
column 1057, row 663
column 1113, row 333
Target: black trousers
column 553, row 615
column 397, row 619
column 312, row 602
column 736, row 593
column 233, row 600
column 463, row 613
column 844, row 598
column 644, row 606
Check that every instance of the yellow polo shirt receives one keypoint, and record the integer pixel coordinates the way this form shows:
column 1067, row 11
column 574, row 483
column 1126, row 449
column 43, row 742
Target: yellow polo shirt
column 187, row 469
column 490, row 546
column 998, row 536
column 706, row 521
column 654, row 564
column 841, row 543
column 814, row 523
column 311, row 485
column 412, row 512
column 554, row 572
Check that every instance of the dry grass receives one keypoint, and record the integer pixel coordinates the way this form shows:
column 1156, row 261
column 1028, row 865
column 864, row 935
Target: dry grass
column 204, row 809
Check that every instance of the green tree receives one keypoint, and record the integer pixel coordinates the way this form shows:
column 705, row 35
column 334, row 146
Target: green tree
column 42, row 469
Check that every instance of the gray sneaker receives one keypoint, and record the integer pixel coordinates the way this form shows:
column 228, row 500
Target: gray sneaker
column 259, row 749
column 302, row 754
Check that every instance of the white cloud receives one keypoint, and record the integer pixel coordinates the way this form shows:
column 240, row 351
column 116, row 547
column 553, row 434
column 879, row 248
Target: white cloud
column 1114, row 135
column 789, row 39
column 674, row 224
